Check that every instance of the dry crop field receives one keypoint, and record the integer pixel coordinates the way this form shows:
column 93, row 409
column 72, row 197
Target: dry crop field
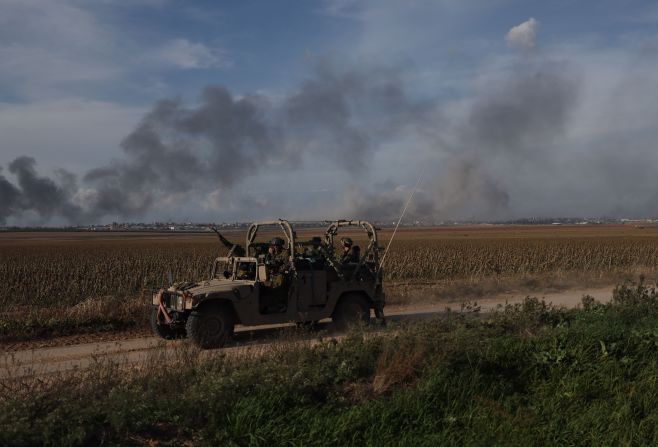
column 45, row 269
column 62, row 279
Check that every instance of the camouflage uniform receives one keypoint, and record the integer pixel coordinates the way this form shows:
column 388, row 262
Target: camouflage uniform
column 351, row 255
column 313, row 248
column 276, row 257
column 275, row 262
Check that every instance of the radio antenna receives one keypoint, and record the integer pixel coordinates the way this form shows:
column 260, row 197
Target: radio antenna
column 404, row 210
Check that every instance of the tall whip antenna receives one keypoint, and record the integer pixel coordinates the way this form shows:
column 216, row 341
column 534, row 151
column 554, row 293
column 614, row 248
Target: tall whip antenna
column 404, row 210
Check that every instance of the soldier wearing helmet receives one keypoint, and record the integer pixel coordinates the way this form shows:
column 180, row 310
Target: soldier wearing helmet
column 350, row 251
column 275, row 257
column 276, row 247
column 276, row 261
column 312, row 248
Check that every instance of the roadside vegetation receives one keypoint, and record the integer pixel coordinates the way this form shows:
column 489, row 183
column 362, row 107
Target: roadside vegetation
column 54, row 287
column 528, row 374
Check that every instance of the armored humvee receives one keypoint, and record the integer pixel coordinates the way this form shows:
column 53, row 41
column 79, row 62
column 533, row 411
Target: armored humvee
column 310, row 284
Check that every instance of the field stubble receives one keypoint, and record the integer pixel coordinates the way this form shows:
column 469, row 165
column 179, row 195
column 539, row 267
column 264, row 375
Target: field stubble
column 96, row 281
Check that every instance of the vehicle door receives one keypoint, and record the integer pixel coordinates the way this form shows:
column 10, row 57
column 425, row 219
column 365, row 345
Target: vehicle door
column 311, row 285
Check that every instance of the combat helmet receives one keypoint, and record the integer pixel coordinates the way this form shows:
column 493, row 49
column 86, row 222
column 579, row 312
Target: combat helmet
column 316, row 240
column 277, row 242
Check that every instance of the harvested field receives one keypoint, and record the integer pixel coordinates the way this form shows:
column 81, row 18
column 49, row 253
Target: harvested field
column 91, row 280
column 54, row 269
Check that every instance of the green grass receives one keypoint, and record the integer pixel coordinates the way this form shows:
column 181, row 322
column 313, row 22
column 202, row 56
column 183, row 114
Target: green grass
column 530, row 374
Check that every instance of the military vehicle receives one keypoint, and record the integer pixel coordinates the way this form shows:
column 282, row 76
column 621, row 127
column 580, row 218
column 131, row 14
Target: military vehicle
column 304, row 283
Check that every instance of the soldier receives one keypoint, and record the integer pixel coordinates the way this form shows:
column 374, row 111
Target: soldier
column 275, row 253
column 276, row 258
column 276, row 262
column 350, row 252
column 312, row 248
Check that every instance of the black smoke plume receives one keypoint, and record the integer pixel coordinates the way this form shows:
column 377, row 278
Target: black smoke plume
column 340, row 118
column 336, row 117
column 41, row 195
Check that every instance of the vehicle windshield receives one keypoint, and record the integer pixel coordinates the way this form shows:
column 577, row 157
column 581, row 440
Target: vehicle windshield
column 230, row 268
column 223, row 269
column 245, row 270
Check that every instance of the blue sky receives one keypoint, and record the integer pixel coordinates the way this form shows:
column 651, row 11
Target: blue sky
column 77, row 78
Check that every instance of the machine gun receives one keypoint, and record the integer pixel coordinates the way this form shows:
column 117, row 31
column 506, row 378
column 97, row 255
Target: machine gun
column 234, row 249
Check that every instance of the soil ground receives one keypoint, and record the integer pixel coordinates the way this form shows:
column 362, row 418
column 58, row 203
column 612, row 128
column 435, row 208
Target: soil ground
column 128, row 348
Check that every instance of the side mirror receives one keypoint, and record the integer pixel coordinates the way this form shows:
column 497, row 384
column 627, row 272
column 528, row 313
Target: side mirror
column 227, row 274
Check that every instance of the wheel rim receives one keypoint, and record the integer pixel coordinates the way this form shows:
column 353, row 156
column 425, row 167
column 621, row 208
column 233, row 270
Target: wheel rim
column 212, row 327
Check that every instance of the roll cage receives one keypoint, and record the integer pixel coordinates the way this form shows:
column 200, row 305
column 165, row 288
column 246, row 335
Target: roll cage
column 285, row 226
column 368, row 261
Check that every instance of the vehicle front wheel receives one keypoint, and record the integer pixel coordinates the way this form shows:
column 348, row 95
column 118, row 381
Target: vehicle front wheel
column 350, row 310
column 160, row 328
column 211, row 327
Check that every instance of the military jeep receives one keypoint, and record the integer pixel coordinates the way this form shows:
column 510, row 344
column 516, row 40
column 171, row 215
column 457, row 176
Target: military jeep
column 309, row 285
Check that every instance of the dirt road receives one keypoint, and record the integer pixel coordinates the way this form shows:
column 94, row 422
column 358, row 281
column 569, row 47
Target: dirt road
column 45, row 361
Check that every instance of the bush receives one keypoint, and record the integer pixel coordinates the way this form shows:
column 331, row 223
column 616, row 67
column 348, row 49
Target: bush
column 529, row 374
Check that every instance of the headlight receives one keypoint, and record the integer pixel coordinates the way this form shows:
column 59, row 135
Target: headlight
column 180, row 302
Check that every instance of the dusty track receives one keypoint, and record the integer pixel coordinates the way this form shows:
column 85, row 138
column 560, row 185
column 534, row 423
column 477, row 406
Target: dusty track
column 44, row 361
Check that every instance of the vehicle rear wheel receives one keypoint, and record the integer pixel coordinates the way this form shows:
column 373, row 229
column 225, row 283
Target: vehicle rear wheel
column 211, row 326
column 160, row 328
column 350, row 310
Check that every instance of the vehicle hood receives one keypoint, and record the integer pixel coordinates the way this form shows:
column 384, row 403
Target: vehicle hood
column 214, row 286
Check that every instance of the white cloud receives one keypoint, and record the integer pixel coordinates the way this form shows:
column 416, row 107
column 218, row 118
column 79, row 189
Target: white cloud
column 350, row 9
column 67, row 48
column 523, row 36
column 57, row 57
column 46, row 43
column 185, row 54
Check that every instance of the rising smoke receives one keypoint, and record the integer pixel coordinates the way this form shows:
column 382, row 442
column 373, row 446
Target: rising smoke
column 337, row 117
column 511, row 125
column 43, row 195
column 176, row 149
column 479, row 156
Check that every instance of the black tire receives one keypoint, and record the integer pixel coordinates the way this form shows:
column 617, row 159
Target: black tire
column 212, row 326
column 351, row 310
column 160, row 328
